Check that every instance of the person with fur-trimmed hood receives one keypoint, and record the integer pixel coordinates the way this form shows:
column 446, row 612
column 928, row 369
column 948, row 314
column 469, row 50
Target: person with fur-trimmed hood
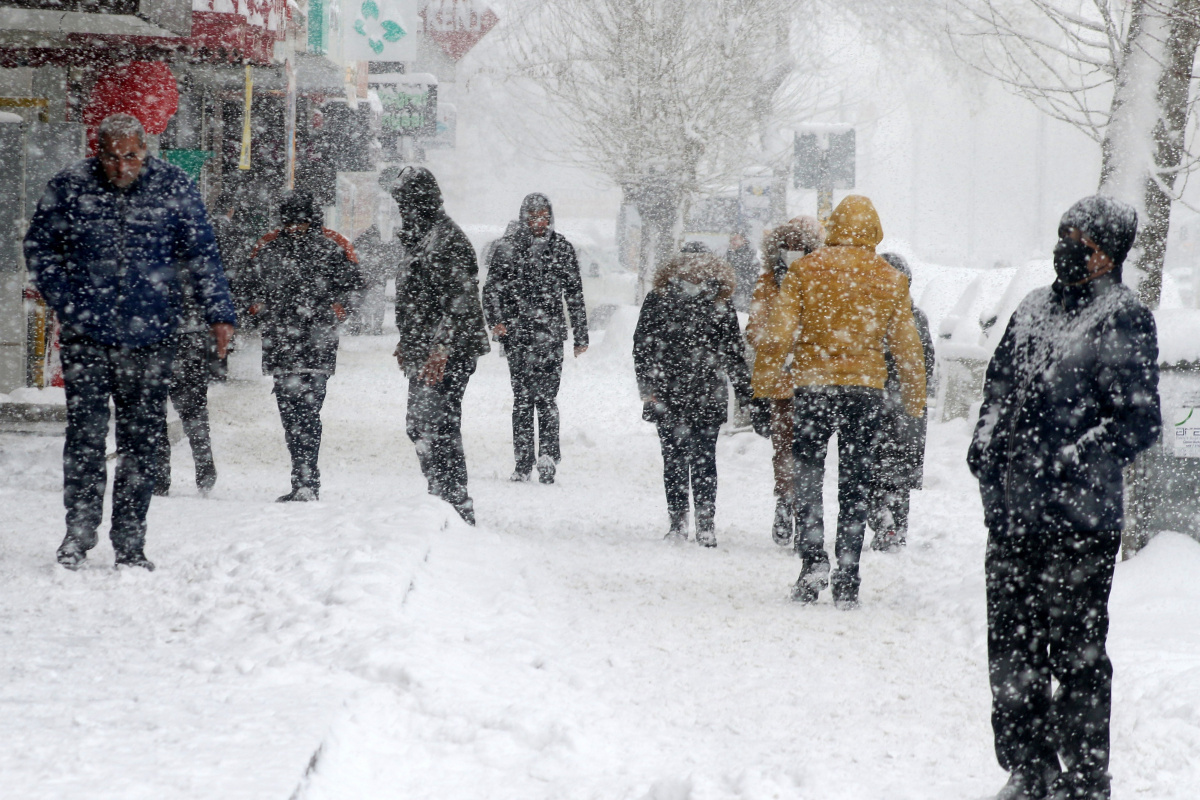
column 531, row 272
column 687, row 342
column 300, row 282
column 781, row 247
column 442, row 332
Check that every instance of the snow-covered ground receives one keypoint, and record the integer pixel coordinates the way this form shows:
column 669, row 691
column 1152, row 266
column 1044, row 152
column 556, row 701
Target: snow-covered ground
column 373, row 646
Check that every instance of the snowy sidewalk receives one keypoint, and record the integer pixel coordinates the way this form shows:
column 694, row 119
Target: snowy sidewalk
column 559, row 650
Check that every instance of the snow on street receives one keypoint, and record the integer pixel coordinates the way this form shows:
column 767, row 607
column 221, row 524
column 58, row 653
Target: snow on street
column 371, row 645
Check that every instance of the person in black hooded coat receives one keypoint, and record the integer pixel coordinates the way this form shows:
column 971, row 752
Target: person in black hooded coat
column 1071, row 397
column 300, row 283
column 531, row 272
column 686, row 344
column 442, row 333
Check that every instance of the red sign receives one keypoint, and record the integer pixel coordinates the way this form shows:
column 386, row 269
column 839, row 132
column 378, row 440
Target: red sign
column 457, row 25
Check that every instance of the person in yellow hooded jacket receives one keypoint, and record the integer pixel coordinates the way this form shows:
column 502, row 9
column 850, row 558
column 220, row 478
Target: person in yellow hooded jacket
column 838, row 311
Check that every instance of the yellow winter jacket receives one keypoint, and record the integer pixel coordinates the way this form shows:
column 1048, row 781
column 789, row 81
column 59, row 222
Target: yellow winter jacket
column 838, row 310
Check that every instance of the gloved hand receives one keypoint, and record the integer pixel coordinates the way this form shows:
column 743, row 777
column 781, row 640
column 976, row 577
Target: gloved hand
column 760, row 416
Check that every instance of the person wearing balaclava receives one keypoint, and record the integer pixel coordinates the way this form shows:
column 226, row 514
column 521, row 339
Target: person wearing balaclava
column 900, row 459
column 838, row 311
column 782, row 246
column 300, row 281
column 531, row 273
column 687, row 342
column 1070, row 398
column 442, row 332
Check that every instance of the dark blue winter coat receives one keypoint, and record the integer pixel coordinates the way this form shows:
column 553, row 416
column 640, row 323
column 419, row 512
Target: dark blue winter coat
column 1071, row 397
column 107, row 261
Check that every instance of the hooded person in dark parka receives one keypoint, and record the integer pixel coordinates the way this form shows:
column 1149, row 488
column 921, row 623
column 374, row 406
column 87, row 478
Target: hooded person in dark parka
column 686, row 344
column 531, row 271
column 442, row 334
column 1071, row 397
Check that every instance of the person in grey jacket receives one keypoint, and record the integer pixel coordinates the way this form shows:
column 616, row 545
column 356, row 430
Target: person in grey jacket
column 442, row 333
column 531, row 272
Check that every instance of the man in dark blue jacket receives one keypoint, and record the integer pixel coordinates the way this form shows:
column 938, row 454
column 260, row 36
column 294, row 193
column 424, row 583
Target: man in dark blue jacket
column 1071, row 398
column 105, row 249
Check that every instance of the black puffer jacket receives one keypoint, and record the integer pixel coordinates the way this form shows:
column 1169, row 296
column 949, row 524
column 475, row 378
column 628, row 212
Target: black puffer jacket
column 529, row 278
column 295, row 278
column 687, row 341
column 437, row 303
column 1071, row 397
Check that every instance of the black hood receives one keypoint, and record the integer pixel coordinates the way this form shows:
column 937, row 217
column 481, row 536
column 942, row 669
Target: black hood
column 535, row 202
column 1109, row 223
column 299, row 208
column 418, row 197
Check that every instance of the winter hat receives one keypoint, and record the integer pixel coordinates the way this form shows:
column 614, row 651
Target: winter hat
column 701, row 269
column 1109, row 223
column 899, row 264
column 299, row 208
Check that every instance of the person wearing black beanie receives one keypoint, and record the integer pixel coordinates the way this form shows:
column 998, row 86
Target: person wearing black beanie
column 1070, row 399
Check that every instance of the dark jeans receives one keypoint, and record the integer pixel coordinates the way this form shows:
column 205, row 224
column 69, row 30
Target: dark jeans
column 137, row 380
column 689, row 452
column 1047, row 597
column 535, row 372
column 434, row 425
column 300, row 397
column 189, row 393
column 853, row 413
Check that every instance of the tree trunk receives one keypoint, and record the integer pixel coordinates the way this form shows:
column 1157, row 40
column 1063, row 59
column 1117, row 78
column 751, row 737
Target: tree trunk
column 1144, row 143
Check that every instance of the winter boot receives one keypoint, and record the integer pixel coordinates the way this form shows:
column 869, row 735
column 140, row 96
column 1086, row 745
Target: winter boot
column 1028, row 784
column 888, row 541
column 519, row 477
column 706, row 533
column 546, row 467
column 785, row 523
column 466, row 510
column 679, row 528
column 206, row 476
column 134, row 558
column 845, row 588
column 301, row 495
column 72, row 553
column 814, row 576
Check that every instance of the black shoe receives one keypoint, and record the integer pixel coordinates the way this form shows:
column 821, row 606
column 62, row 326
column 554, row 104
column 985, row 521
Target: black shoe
column 302, row 495
column 1029, row 784
column 888, row 542
column 785, row 523
column 466, row 510
column 706, row 533
column 71, row 554
column 546, row 467
column 679, row 529
column 814, row 577
column 519, row 477
column 845, row 589
column 206, row 476
column 134, row 559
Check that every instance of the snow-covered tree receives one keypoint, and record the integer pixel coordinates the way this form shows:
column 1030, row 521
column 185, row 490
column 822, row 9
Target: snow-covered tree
column 1119, row 70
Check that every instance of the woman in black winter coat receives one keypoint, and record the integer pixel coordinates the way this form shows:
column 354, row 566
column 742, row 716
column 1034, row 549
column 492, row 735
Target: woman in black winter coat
column 900, row 461
column 686, row 344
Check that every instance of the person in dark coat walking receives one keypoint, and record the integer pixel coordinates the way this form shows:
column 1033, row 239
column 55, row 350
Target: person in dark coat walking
column 531, row 272
column 195, row 355
column 687, row 342
column 746, row 268
column 103, row 249
column 377, row 260
column 900, row 459
column 301, row 279
column 1070, row 398
column 442, row 333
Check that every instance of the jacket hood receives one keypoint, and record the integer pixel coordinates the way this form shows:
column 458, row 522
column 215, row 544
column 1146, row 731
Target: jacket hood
column 299, row 208
column 855, row 222
column 800, row 235
column 1109, row 223
column 415, row 190
column 535, row 202
column 700, row 269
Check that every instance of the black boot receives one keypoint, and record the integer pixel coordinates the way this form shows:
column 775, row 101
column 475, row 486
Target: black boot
column 785, row 523
column 814, row 576
column 706, row 533
column 679, row 528
column 845, row 588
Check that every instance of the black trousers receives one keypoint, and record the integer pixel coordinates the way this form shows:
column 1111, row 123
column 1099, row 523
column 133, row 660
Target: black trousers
column 300, row 397
column 535, row 372
column 689, row 451
column 137, row 380
column 434, row 425
column 853, row 413
column 194, row 356
column 1047, row 598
